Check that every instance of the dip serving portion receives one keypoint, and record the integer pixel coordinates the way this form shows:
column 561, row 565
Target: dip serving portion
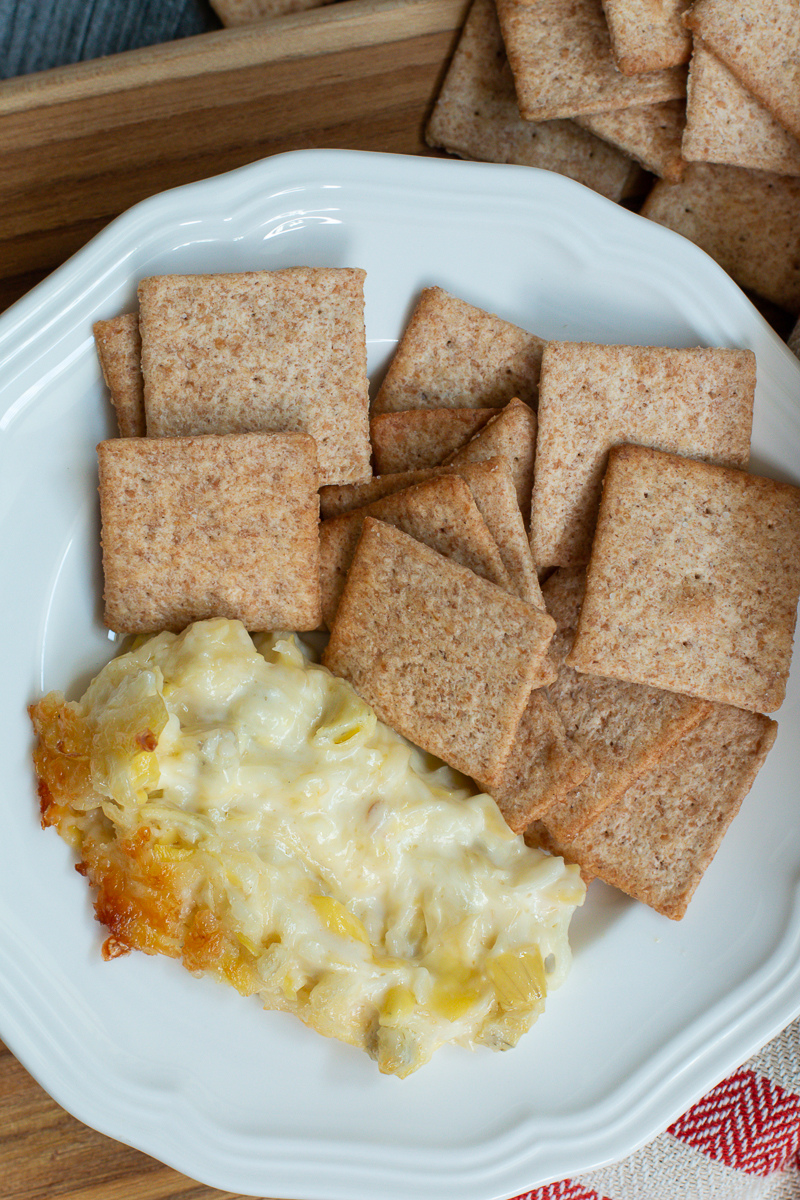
column 240, row 808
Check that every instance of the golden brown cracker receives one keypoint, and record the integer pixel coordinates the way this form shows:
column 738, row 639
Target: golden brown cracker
column 281, row 351
column 421, row 437
column 492, row 485
column 454, row 355
column 210, row 527
column 647, row 35
column 119, row 348
column 476, row 116
column 694, row 580
column 442, row 656
column 543, row 767
column 748, row 221
column 725, row 124
column 761, row 45
column 651, row 134
column 697, row 402
column 439, row 512
column 342, row 498
column 510, row 435
column 623, row 729
column 495, row 492
column 561, row 60
column 657, row 842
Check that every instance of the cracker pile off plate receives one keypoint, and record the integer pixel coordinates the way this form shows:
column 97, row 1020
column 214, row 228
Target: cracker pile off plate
column 654, row 1012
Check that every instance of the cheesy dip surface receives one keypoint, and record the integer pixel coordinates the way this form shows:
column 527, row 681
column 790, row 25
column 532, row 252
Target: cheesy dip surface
column 240, row 808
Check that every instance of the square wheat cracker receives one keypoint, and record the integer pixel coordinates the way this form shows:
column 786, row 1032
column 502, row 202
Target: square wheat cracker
column 657, row 842
column 421, row 437
column 454, row 355
column 342, row 498
column 695, row 402
column 277, row 351
column 650, row 134
column 543, row 767
column 210, row 527
column 747, row 221
column 560, row 56
column 647, row 35
column 511, row 435
column 694, row 580
column 725, row 124
column 623, row 729
column 494, row 491
column 761, row 45
column 119, row 348
column 444, row 657
column 439, row 512
column 476, row 116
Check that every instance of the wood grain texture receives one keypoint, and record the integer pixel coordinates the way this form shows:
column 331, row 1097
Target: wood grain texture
column 82, row 143
column 45, row 1154
column 38, row 34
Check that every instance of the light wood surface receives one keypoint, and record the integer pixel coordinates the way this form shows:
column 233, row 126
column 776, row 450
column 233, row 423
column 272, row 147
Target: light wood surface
column 79, row 145
column 45, row 1154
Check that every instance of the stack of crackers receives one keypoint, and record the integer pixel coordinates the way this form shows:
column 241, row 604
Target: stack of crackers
column 237, row 397
column 543, row 562
column 598, row 90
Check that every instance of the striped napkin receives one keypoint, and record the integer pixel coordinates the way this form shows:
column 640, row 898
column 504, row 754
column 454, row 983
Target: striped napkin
column 741, row 1141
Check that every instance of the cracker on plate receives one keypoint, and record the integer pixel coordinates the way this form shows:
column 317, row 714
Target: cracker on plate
column 280, row 351
column 651, row 134
column 761, row 45
column 421, row 437
column 342, row 498
column 119, row 349
column 694, row 580
column 476, row 116
column 748, row 221
column 494, row 489
column 439, row 512
column 444, row 657
column 725, row 124
column 647, row 35
column 561, row 60
column 697, row 402
column 210, row 527
column 511, row 435
column 453, row 355
column 543, row 766
column 492, row 485
column 657, row 842
column 623, row 729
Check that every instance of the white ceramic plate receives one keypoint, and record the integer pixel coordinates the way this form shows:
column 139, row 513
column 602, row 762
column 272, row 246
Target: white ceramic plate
column 654, row 1012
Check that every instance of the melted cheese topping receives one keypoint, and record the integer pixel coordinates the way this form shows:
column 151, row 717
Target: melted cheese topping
column 296, row 846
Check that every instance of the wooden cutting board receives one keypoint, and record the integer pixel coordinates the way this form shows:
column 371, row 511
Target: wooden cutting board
column 79, row 145
column 82, row 143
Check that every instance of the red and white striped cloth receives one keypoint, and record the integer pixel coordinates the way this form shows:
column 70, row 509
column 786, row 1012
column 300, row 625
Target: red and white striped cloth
column 741, row 1141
